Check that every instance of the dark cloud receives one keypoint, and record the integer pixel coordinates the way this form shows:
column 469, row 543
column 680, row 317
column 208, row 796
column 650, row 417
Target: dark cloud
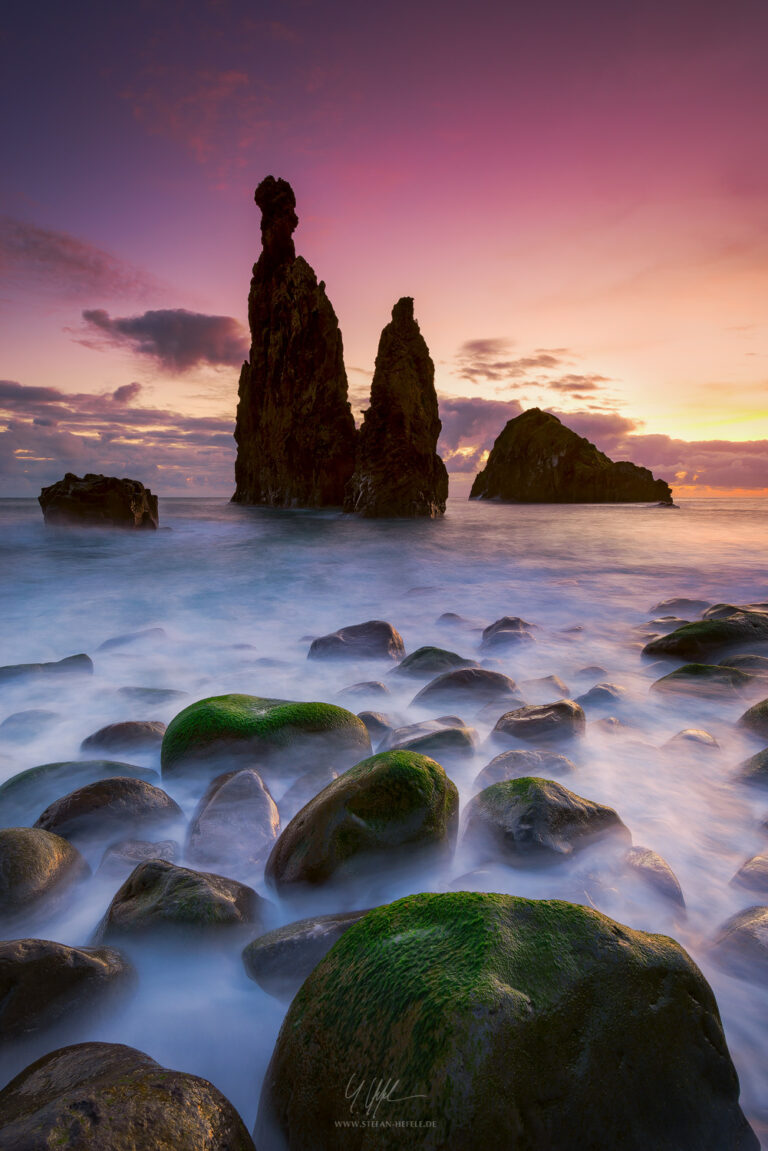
column 60, row 264
column 489, row 361
column 175, row 338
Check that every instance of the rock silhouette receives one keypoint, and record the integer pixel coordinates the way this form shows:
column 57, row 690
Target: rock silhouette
column 397, row 469
column 295, row 432
column 537, row 460
column 104, row 501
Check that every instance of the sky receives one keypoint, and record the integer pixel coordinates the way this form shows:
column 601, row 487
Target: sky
column 575, row 194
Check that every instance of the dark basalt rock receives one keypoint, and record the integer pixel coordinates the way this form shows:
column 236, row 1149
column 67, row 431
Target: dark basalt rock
column 508, row 1023
column 741, row 946
column 236, row 821
column 544, row 722
column 536, row 821
column 34, row 864
column 469, row 685
column 537, row 460
column 109, row 808
column 103, row 501
column 397, row 469
column 43, row 982
column 107, row 1097
column 281, row 960
column 516, row 764
column 24, row 795
column 131, row 735
column 375, row 639
column 72, row 665
column 295, row 432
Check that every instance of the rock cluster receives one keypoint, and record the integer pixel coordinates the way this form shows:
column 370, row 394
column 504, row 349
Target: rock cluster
column 537, row 460
column 104, row 501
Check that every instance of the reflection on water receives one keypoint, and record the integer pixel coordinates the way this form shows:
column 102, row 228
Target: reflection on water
column 238, row 592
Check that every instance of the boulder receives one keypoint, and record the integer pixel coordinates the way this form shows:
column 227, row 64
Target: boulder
column 509, row 631
column 225, row 730
column 376, row 722
column 700, row 641
column 680, row 604
column 42, row 983
column 34, row 865
column 654, row 870
column 375, row 639
column 100, row 501
column 544, row 689
column 133, row 735
column 468, row 685
column 741, row 946
column 430, row 661
column 691, row 735
column 158, row 897
column 72, row 665
column 282, row 959
column 545, row 722
column 306, row 787
column 295, row 431
column 514, row 764
column 756, row 665
column 532, row 821
column 602, row 696
column 368, row 689
column 120, row 858
column 391, row 804
column 536, row 459
column 446, row 736
column 753, row 874
column 506, row 1023
column 755, row 769
column 755, row 719
column 110, row 808
column 236, row 821
column 23, row 726
column 24, row 795
column 704, row 679
column 107, row 1097
column 398, row 472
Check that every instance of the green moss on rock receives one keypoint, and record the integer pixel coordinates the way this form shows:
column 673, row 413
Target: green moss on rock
column 708, row 637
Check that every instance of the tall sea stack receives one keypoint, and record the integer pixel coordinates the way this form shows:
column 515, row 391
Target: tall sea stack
column 397, row 469
column 295, row 432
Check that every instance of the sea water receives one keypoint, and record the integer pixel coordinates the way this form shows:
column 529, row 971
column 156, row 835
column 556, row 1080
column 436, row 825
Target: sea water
column 239, row 593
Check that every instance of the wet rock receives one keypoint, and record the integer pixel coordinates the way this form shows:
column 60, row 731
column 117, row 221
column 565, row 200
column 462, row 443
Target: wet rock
column 227, row 729
column 731, row 610
column 121, row 858
column 150, row 696
column 99, row 501
column 281, row 960
column 545, row 722
column 132, row 735
column 704, row 680
column 700, row 641
column 42, row 983
column 236, row 821
column 109, row 808
column 755, row 719
column 468, row 685
column 755, row 769
column 26, row 725
column 34, row 865
column 531, row 821
column 376, row 723
column 24, row 795
column 655, row 871
column 515, row 764
column 509, row 631
column 375, row 639
column 306, row 787
column 741, row 946
column 609, row 725
column 536, row 459
column 753, row 874
column 544, row 689
column 72, row 665
column 107, row 1097
column 753, row 664
column 394, row 802
column 509, row 1023
column 428, row 661
column 602, row 695
column 593, row 672
column 133, row 637
column 295, row 432
column 680, row 604
column 446, row 736
column 369, row 689
column 692, row 735
column 159, row 897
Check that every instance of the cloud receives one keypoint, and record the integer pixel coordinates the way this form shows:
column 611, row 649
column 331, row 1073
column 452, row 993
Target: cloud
column 577, row 384
column 470, row 425
column 175, row 338
column 489, row 360
column 63, row 265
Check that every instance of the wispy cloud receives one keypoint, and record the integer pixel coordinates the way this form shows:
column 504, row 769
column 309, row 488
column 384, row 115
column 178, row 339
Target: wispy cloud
column 174, row 338
column 489, row 360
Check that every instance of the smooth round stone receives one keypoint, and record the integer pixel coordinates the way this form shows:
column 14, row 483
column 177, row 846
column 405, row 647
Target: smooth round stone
column 132, row 735
column 375, row 639
column 542, row 723
column 281, row 960
column 655, row 871
column 121, row 858
column 741, row 946
column 753, row 874
column 35, row 865
column 515, row 764
column 109, row 808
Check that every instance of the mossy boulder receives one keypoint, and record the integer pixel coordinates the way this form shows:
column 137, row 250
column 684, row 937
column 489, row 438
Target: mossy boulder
column 35, row 865
column 427, row 661
column 159, row 897
column 495, row 1022
column 42, row 982
column 468, row 685
column 530, row 821
column 282, row 959
column 238, row 727
column 446, row 736
column 741, row 946
column 541, row 723
column 23, row 796
column 704, row 679
column 701, row 640
column 236, row 822
column 107, row 1097
column 387, row 806
column 755, row 719
column 110, row 808
column 515, row 764
column 755, row 769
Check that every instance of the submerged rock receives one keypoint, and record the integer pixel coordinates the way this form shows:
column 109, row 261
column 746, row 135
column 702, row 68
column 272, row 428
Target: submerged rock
column 753, row 875
column 375, row 639
column 397, row 469
column 509, row 631
column 131, row 735
column 295, row 432
column 704, row 679
column 446, row 736
column 377, row 723
column 543, row 722
column 109, row 808
column 536, row 459
column 107, row 1097
column 128, row 639
column 71, row 665
column 265, row 731
column 306, row 787
column 281, row 960
column 395, row 803
column 102, row 501
column 121, row 858
column 602, row 695
column 236, row 821
column 544, row 689
column 535, row 821
column 467, row 685
column 741, row 946
column 515, row 764
column 42, row 983
column 680, row 604
column 655, row 871
column 755, row 769
column 427, row 661
column 368, row 689
column 25, row 725
column 508, row 1023
column 755, row 719
column 34, row 864
column 705, row 638
column 23, row 795
column 692, row 735
column 756, row 665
